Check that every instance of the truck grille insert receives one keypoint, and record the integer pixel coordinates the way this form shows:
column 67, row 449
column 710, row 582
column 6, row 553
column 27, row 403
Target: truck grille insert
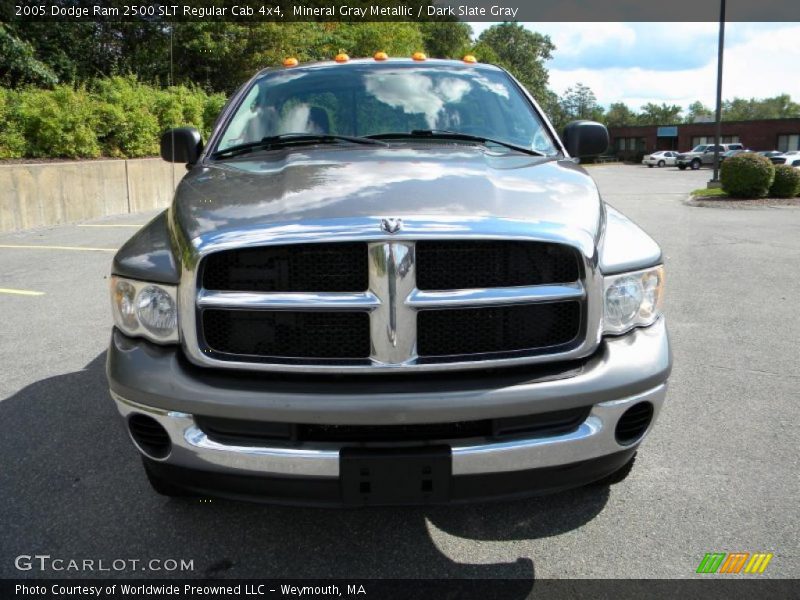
column 340, row 267
column 498, row 329
column 254, row 433
column 453, row 265
column 287, row 334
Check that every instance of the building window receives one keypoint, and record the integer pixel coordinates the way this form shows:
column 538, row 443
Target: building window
column 630, row 144
column 789, row 142
column 709, row 139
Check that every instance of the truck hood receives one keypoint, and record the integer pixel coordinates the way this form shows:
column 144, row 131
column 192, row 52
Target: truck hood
column 434, row 181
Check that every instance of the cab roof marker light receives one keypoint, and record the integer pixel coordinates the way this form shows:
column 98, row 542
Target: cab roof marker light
column 341, row 57
column 419, row 56
column 290, row 62
column 469, row 58
column 381, row 56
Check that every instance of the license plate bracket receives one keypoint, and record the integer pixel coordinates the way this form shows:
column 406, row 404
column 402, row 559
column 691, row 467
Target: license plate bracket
column 380, row 476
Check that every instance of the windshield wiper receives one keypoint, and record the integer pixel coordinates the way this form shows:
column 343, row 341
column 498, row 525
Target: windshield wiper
column 293, row 139
column 444, row 134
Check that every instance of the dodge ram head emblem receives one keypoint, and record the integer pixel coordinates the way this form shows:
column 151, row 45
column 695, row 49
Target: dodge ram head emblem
column 391, row 225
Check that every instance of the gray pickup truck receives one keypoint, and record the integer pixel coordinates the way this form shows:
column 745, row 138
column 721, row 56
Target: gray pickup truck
column 703, row 154
column 386, row 282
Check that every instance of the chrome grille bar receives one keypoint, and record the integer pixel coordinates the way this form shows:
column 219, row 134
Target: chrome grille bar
column 288, row 301
column 495, row 296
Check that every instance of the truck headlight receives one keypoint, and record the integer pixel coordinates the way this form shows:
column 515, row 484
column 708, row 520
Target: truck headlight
column 145, row 309
column 632, row 299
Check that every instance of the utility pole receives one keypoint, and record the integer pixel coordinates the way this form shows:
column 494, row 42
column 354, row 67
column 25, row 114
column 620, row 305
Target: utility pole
column 718, row 134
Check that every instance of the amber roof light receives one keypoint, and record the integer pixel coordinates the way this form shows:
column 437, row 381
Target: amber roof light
column 470, row 59
column 419, row 56
column 381, row 56
column 341, row 57
column 290, row 62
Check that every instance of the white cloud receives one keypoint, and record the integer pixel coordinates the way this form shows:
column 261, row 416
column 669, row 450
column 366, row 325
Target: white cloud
column 675, row 63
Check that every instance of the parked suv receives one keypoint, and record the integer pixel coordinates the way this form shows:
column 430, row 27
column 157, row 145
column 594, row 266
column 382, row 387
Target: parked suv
column 386, row 282
column 703, row 154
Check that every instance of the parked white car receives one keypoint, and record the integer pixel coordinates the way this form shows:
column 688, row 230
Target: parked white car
column 662, row 158
column 792, row 158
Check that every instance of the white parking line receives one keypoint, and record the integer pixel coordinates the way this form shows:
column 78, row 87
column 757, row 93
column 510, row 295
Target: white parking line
column 31, row 247
column 20, row 292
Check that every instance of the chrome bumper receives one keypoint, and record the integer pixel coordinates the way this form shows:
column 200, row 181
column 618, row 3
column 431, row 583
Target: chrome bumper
column 594, row 438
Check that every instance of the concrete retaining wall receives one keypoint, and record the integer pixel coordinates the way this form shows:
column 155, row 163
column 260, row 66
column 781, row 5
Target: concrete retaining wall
column 37, row 195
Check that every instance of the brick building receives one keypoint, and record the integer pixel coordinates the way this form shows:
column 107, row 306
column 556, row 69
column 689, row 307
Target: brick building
column 631, row 143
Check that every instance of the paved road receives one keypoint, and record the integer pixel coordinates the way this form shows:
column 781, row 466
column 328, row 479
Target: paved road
column 719, row 472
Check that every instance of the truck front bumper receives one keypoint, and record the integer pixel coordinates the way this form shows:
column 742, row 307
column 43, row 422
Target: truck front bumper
column 159, row 383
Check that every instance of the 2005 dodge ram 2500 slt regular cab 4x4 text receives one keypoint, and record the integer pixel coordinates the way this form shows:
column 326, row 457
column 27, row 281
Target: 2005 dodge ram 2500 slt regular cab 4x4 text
column 386, row 282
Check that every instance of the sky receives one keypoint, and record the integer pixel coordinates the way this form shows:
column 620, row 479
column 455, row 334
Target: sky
column 674, row 63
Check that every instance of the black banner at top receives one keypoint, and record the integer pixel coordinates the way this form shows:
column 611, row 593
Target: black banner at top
column 399, row 10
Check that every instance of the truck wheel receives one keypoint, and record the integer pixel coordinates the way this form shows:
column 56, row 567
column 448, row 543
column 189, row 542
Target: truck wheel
column 649, row 166
column 695, row 164
column 661, row 163
column 162, row 486
column 619, row 475
column 682, row 167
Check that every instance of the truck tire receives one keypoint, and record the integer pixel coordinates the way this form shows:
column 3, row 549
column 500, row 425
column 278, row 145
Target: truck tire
column 619, row 475
column 162, row 486
column 695, row 164
column 682, row 167
column 649, row 166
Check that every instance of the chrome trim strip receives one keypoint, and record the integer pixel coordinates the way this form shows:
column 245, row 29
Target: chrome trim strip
column 493, row 296
column 288, row 301
column 393, row 334
column 594, row 438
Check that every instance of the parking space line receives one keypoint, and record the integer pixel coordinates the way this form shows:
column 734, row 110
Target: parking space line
column 137, row 225
column 37, row 247
column 20, row 292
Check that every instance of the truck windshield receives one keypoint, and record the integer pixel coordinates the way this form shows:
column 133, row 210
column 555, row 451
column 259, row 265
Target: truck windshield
column 368, row 99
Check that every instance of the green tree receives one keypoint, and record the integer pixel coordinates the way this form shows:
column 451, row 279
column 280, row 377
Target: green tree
column 446, row 39
column 521, row 51
column 19, row 64
column 698, row 113
column 619, row 115
column 579, row 102
column 663, row 114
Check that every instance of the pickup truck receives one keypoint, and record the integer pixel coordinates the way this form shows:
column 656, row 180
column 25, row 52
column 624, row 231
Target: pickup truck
column 703, row 154
column 386, row 282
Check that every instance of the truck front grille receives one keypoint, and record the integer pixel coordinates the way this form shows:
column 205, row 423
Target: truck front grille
column 498, row 329
column 287, row 334
column 340, row 267
column 390, row 303
column 458, row 264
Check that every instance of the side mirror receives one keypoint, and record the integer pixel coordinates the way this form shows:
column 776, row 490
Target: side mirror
column 585, row 138
column 181, row 145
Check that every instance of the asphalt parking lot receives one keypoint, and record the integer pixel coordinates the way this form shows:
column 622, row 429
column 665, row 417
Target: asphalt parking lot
column 719, row 473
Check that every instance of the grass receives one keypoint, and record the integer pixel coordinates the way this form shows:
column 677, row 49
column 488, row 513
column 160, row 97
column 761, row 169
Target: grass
column 709, row 193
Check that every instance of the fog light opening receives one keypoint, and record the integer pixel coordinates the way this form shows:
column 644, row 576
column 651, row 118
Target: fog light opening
column 633, row 423
column 149, row 436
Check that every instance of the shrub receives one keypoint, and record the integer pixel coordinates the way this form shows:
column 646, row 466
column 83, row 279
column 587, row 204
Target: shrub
column 59, row 123
column 786, row 183
column 178, row 106
column 12, row 142
column 747, row 175
column 127, row 124
column 117, row 117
